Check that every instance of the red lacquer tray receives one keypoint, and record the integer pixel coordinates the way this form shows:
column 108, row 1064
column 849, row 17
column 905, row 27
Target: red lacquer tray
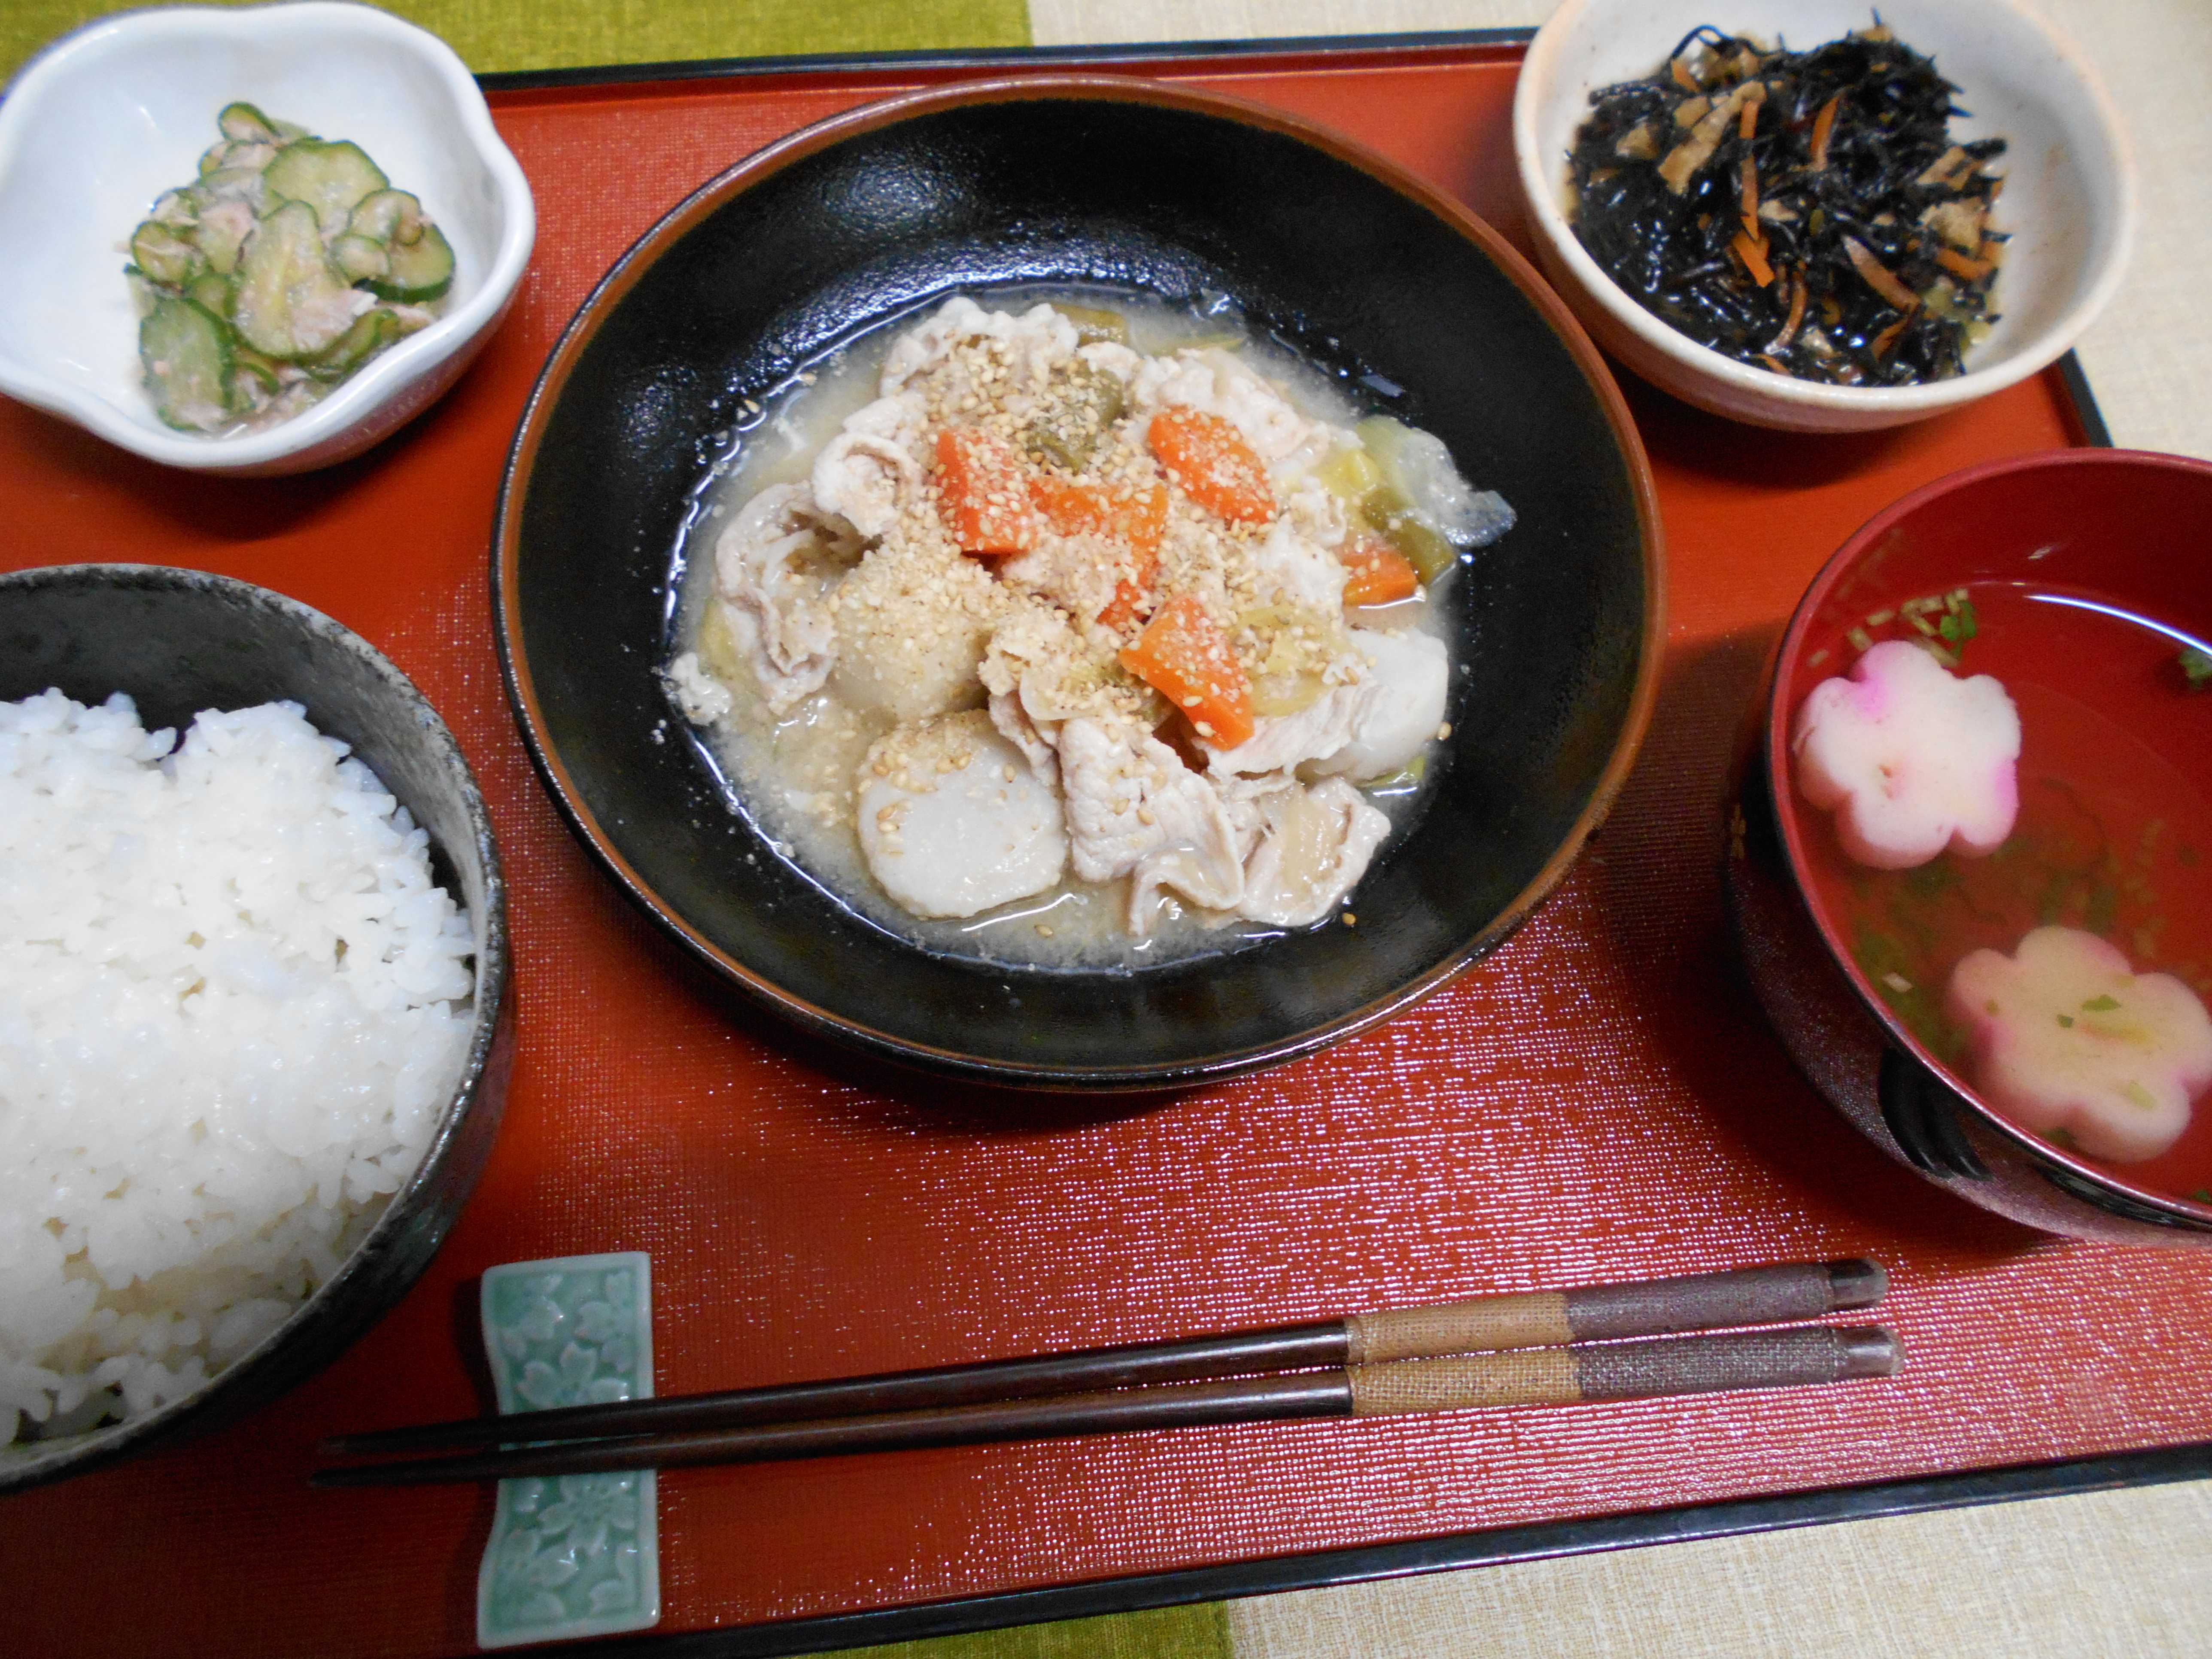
column 1599, row 1100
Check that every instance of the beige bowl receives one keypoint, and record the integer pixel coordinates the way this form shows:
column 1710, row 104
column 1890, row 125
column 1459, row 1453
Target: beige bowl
column 2069, row 203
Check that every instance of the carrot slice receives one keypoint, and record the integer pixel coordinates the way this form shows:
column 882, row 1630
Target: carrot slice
column 1183, row 654
column 1823, row 125
column 1796, row 317
column 984, row 484
column 1753, row 255
column 1072, row 510
column 1879, row 276
column 1960, row 265
column 1889, row 338
column 1136, row 516
column 1211, row 461
column 1138, row 519
column 1380, row 573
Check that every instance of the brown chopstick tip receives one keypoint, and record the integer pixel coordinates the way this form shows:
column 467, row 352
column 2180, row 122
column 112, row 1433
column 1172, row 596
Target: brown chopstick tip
column 1870, row 1350
column 1857, row 1283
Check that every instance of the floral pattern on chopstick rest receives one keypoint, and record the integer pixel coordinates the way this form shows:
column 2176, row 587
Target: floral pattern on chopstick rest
column 573, row 1555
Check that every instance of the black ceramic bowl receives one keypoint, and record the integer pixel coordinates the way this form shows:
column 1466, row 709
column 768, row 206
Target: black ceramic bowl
column 181, row 640
column 1340, row 255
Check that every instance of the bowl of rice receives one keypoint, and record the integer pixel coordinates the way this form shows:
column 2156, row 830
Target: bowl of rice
column 254, row 1031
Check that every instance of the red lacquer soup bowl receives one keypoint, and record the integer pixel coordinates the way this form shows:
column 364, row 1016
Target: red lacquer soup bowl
column 2078, row 580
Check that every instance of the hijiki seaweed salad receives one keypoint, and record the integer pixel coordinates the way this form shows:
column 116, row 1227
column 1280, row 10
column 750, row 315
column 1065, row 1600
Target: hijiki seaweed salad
column 1804, row 211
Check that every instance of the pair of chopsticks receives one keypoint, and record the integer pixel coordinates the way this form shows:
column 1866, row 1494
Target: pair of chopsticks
column 1538, row 1347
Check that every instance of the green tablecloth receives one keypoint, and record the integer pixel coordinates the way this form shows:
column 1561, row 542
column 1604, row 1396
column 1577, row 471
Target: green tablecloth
column 494, row 36
column 1199, row 1632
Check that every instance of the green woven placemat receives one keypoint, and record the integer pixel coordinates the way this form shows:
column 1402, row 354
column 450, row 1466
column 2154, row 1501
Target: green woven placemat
column 494, row 36
column 1194, row 1632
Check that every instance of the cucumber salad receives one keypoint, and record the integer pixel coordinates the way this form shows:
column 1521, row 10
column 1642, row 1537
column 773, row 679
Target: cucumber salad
column 289, row 263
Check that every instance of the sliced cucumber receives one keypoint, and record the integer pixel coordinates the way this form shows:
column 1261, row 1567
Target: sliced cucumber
column 255, row 383
column 247, row 364
column 165, row 255
column 178, row 208
column 252, row 282
column 389, row 216
column 243, row 124
column 371, row 332
column 228, row 154
column 292, row 301
column 420, row 271
column 213, row 292
column 330, row 177
column 221, row 232
column 186, row 353
column 244, row 185
column 360, row 256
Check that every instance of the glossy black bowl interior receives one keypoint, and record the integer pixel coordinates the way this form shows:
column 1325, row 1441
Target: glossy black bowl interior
column 181, row 640
column 872, row 217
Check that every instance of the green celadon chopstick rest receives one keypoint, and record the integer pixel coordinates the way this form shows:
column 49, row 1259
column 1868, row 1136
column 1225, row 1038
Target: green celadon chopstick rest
column 570, row 1555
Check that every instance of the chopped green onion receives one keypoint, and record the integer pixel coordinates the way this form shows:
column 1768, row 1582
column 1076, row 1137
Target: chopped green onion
column 1959, row 625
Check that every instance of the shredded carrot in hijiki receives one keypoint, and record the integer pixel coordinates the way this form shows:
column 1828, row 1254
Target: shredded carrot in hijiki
column 1960, row 265
column 1781, row 342
column 1879, row 276
column 1824, row 125
column 1754, row 259
column 1887, row 338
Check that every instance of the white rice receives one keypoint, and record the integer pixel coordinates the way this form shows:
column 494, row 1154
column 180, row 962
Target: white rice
column 232, row 1003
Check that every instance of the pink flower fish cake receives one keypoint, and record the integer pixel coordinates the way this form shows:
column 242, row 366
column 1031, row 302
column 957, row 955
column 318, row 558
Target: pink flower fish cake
column 2066, row 1035
column 1910, row 758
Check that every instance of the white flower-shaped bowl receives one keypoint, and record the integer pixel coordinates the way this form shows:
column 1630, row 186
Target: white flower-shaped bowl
column 104, row 120
column 2068, row 202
